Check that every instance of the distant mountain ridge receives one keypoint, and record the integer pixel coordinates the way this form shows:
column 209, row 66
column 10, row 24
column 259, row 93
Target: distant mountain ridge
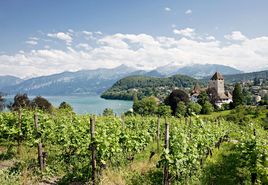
column 246, row 76
column 9, row 80
column 92, row 82
column 71, row 83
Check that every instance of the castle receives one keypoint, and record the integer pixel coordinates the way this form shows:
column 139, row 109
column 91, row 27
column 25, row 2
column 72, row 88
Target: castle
column 215, row 91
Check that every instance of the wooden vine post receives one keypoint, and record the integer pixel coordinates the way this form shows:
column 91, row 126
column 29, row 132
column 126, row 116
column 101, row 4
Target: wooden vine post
column 166, row 146
column 158, row 135
column 123, row 121
column 93, row 150
column 40, row 149
column 19, row 136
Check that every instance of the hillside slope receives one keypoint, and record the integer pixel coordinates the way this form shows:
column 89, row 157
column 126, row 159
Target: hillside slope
column 8, row 81
column 147, row 86
column 242, row 77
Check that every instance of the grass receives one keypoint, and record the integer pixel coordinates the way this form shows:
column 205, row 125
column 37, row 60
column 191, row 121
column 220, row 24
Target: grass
column 140, row 171
column 225, row 167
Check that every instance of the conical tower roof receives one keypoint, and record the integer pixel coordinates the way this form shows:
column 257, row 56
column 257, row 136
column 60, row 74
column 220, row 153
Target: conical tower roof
column 217, row 76
column 196, row 89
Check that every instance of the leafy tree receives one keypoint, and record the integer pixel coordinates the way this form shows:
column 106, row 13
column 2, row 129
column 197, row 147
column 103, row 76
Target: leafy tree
column 212, row 95
column 237, row 96
column 66, row 106
column 175, row 97
column 135, row 102
column 181, row 109
column 108, row 112
column 164, row 110
column 202, row 98
column 2, row 102
column 264, row 100
column 41, row 103
column 21, row 101
column 146, row 106
column 207, row 108
column 247, row 97
column 194, row 108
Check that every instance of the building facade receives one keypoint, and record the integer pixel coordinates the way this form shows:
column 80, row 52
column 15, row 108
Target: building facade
column 215, row 90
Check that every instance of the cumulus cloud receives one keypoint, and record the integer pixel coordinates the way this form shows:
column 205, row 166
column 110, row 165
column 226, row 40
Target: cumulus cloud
column 189, row 11
column 236, row 36
column 138, row 50
column 187, row 32
column 33, row 38
column 83, row 46
column 98, row 32
column 87, row 33
column 210, row 38
column 31, row 42
column 62, row 36
column 167, row 9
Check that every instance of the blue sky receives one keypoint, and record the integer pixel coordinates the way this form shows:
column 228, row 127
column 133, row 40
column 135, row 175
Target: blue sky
column 37, row 31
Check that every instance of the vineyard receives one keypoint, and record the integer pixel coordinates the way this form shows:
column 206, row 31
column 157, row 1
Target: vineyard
column 82, row 149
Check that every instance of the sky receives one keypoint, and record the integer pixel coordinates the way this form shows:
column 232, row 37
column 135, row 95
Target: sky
column 40, row 37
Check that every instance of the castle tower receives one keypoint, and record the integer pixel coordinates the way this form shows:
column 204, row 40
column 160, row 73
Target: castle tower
column 217, row 82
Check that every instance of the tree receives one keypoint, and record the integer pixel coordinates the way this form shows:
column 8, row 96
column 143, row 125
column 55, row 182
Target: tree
column 41, row 103
column 247, row 100
column 212, row 95
column 135, row 102
column 164, row 110
column 21, row 101
column 2, row 102
column 175, row 97
column 146, row 106
column 264, row 100
column 202, row 98
column 207, row 108
column 108, row 112
column 194, row 108
column 237, row 96
column 181, row 109
column 66, row 106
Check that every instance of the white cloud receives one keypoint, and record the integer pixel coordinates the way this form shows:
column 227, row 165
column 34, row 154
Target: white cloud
column 70, row 30
column 98, row 32
column 210, row 38
column 187, row 32
column 189, row 11
column 138, row 50
column 87, row 33
column 62, row 36
column 83, row 46
column 31, row 42
column 33, row 38
column 167, row 9
column 173, row 26
column 236, row 36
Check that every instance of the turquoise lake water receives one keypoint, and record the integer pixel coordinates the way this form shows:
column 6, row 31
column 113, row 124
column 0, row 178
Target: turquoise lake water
column 88, row 104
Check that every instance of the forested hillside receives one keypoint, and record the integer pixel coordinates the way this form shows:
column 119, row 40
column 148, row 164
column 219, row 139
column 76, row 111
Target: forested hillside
column 147, row 86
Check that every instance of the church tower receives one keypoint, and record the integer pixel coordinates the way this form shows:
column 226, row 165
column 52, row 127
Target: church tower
column 217, row 82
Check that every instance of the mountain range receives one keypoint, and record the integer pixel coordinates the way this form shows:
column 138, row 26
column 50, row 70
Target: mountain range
column 92, row 82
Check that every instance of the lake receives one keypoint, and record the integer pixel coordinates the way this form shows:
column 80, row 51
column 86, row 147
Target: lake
column 87, row 104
